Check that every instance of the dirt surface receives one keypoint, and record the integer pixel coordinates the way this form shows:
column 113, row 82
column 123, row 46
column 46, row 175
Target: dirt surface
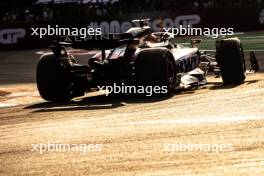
column 137, row 136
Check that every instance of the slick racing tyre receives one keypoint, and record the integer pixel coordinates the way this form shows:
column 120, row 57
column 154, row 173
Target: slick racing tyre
column 156, row 67
column 53, row 81
column 230, row 58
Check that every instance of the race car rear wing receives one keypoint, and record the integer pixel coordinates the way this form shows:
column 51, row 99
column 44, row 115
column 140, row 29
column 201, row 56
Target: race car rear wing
column 102, row 42
column 106, row 41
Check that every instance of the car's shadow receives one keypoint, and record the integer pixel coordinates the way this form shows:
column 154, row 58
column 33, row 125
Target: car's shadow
column 221, row 85
column 94, row 103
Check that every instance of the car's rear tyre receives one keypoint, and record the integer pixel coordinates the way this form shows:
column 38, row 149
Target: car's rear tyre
column 53, row 80
column 156, row 67
column 230, row 58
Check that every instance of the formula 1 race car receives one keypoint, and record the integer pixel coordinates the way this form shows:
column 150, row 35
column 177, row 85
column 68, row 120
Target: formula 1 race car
column 136, row 57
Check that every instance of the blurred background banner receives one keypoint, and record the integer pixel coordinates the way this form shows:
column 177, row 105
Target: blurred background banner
column 17, row 17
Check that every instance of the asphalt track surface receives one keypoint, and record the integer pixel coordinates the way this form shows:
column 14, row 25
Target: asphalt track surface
column 136, row 135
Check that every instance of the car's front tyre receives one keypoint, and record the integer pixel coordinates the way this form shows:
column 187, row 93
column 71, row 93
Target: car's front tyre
column 230, row 58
